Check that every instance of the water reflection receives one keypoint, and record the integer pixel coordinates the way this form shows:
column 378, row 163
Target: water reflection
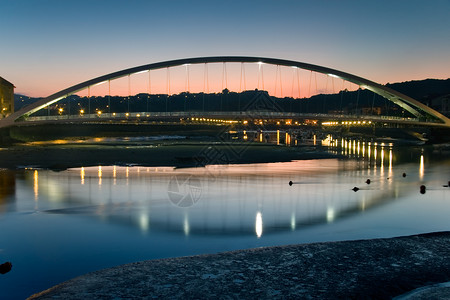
column 231, row 201
column 7, row 188
column 230, row 196
column 114, row 174
column 99, row 175
column 371, row 154
column 186, row 224
column 421, row 167
column 259, row 224
column 82, row 175
column 144, row 222
column 293, row 221
column 330, row 214
column 36, row 185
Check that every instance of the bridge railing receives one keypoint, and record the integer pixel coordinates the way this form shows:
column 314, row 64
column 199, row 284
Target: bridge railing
column 236, row 115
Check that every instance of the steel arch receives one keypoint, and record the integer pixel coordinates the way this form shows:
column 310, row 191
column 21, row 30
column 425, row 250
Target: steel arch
column 411, row 105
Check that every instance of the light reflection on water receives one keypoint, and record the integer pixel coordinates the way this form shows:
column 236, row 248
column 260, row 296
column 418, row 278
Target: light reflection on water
column 84, row 219
column 229, row 196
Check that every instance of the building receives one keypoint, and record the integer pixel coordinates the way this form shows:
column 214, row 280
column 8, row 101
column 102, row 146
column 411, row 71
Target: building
column 376, row 110
column 6, row 98
column 442, row 104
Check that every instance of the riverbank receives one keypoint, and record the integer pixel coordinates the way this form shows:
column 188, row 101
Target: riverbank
column 364, row 269
column 60, row 155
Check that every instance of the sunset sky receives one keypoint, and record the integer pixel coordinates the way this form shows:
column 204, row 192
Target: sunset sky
column 49, row 45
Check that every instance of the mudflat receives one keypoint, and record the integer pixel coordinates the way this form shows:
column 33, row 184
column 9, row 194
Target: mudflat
column 60, row 155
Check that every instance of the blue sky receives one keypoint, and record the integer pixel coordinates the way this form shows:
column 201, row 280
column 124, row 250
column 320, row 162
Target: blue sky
column 48, row 45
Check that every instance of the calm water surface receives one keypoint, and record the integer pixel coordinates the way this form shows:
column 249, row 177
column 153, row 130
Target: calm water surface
column 57, row 225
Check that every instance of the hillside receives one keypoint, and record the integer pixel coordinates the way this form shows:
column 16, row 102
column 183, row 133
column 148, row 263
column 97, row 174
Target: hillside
column 424, row 91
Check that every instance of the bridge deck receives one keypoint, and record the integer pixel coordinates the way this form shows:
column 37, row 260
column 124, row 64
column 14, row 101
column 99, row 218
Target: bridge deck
column 222, row 117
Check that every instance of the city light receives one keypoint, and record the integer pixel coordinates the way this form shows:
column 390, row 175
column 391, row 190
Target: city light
column 335, row 123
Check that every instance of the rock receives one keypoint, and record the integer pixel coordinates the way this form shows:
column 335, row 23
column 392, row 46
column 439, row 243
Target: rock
column 5, row 267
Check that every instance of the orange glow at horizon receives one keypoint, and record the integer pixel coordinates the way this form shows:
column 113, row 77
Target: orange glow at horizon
column 278, row 81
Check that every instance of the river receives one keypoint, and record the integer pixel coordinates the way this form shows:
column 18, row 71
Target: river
column 58, row 225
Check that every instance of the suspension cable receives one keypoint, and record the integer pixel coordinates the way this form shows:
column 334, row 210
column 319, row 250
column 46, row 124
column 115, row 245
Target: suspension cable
column 357, row 100
column 342, row 94
column 167, row 86
column 226, row 76
column 207, row 78
column 240, row 88
column 259, row 73
column 89, row 101
column 223, row 75
column 109, row 96
column 204, row 86
column 168, row 81
column 332, row 83
column 149, row 90
column 276, row 81
column 187, row 83
column 240, row 80
column 281, row 85
column 262, row 76
column 315, row 79
column 293, row 80
column 309, row 89
column 129, row 91
column 245, row 80
column 325, row 93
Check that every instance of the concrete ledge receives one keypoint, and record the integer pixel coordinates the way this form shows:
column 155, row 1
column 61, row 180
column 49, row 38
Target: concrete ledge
column 380, row 268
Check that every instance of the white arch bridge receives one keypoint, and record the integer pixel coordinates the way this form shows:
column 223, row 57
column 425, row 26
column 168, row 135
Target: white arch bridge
column 422, row 114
